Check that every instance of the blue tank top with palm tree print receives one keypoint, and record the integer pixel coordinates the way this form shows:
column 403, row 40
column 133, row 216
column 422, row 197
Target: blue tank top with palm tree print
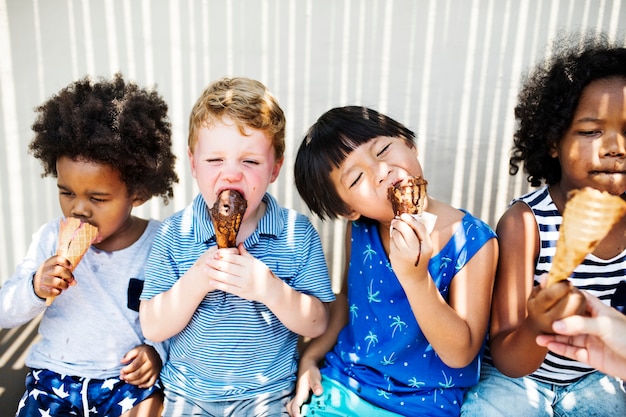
column 382, row 354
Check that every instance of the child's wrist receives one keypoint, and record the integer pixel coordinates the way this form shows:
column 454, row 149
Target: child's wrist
column 32, row 285
column 309, row 361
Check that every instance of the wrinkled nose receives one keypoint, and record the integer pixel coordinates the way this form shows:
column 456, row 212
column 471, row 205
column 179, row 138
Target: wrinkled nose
column 80, row 209
column 231, row 172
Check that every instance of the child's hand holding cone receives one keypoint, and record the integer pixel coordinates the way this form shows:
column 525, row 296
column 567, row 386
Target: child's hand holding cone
column 75, row 237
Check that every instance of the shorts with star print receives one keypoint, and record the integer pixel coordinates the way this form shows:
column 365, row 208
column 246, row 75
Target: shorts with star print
column 50, row 394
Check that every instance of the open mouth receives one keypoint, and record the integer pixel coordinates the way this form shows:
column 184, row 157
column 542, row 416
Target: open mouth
column 230, row 188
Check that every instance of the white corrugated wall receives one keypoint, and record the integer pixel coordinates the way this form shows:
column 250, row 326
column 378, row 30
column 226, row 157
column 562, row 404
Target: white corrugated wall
column 449, row 70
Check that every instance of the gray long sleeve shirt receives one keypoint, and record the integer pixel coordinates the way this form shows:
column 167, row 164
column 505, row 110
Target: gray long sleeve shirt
column 89, row 327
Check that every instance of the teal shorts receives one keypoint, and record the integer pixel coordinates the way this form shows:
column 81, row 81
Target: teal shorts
column 339, row 401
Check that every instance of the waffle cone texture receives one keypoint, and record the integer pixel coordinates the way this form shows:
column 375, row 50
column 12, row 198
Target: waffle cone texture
column 75, row 237
column 588, row 216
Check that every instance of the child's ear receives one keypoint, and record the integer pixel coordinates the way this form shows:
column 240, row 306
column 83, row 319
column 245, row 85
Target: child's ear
column 276, row 169
column 554, row 151
column 352, row 216
column 191, row 162
column 138, row 199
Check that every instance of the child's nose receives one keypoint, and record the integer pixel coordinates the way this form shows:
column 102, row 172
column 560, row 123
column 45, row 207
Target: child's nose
column 80, row 209
column 383, row 173
column 616, row 145
column 231, row 172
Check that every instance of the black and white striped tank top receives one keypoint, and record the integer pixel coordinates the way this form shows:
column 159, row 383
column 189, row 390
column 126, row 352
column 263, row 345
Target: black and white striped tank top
column 599, row 277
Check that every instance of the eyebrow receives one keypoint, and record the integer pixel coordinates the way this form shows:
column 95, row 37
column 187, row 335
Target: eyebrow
column 371, row 144
column 587, row 119
column 97, row 193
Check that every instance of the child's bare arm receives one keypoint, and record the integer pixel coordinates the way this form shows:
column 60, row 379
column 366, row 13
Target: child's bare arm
column 303, row 314
column 456, row 330
column 309, row 377
column 520, row 312
column 166, row 314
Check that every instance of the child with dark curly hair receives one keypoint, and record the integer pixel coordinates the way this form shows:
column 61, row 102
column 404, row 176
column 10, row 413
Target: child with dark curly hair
column 571, row 134
column 108, row 144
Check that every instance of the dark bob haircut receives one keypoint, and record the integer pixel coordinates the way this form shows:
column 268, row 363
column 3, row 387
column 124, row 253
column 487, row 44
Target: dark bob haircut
column 327, row 144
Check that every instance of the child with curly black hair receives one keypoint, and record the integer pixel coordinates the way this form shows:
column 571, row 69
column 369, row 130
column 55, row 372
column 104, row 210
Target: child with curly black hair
column 108, row 144
column 571, row 134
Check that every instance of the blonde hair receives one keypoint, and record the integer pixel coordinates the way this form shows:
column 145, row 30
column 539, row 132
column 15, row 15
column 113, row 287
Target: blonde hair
column 247, row 102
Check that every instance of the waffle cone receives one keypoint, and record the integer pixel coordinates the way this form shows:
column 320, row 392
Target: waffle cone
column 226, row 214
column 408, row 196
column 588, row 216
column 75, row 237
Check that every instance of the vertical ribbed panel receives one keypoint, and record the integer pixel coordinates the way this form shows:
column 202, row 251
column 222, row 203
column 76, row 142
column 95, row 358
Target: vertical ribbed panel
column 449, row 70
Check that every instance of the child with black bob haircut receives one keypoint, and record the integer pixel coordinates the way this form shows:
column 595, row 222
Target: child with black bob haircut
column 408, row 337
column 571, row 134
column 108, row 144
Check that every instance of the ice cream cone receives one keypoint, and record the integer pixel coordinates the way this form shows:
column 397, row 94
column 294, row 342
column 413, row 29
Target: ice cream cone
column 408, row 196
column 588, row 216
column 226, row 214
column 75, row 237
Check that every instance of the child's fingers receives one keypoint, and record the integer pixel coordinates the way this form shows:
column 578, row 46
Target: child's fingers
column 317, row 388
column 139, row 374
column 130, row 355
column 549, row 298
column 302, row 394
column 293, row 408
column 128, row 370
column 404, row 233
column 54, row 280
column 418, row 227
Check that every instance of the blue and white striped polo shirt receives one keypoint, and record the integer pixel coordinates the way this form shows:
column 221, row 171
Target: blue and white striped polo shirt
column 233, row 348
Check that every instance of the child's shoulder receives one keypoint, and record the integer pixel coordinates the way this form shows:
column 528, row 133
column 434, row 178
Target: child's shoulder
column 47, row 234
column 523, row 208
column 278, row 219
column 446, row 214
column 152, row 227
column 451, row 220
column 197, row 207
column 277, row 210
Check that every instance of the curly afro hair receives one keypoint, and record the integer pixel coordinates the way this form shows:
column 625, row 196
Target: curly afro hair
column 549, row 97
column 112, row 122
